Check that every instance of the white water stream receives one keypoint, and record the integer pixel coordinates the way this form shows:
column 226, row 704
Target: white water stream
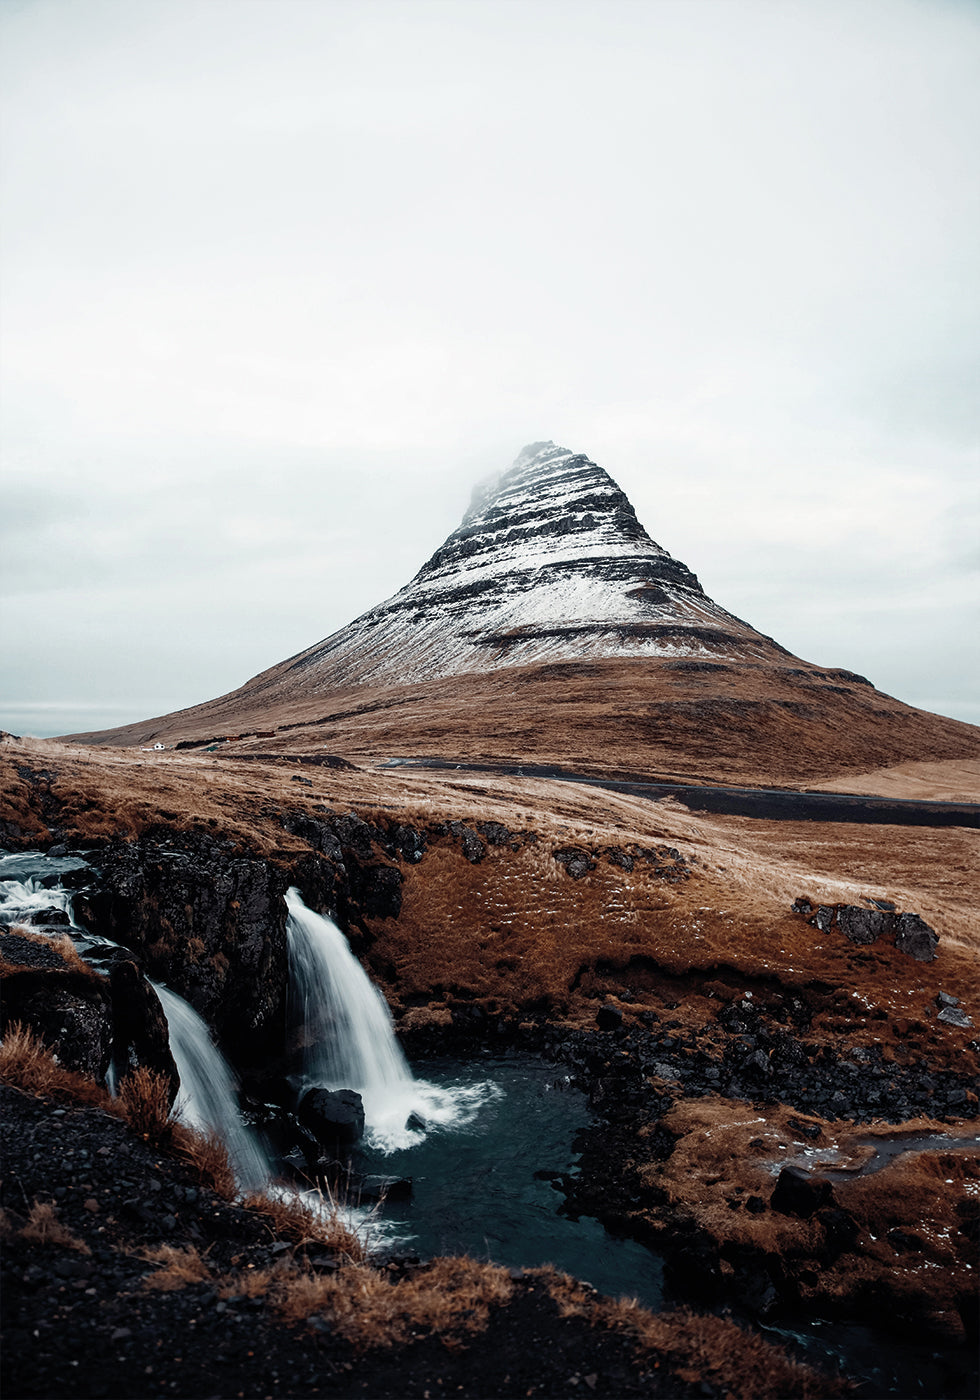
column 207, row 1099
column 350, row 1043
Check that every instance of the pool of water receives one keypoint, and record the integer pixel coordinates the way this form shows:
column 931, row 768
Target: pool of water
column 475, row 1189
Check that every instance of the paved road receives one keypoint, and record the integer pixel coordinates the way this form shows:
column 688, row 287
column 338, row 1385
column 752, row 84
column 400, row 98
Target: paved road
column 772, row 804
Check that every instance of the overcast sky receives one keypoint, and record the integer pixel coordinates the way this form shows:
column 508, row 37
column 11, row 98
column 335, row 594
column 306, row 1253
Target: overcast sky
column 282, row 279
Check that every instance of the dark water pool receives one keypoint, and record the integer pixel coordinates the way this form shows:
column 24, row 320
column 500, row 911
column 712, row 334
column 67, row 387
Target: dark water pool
column 475, row 1190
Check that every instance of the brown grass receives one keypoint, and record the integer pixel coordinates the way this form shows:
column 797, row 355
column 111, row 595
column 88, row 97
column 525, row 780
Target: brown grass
column 292, row 1219
column 700, row 1347
column 28, row 1064
column 44, row 1227
column 178, row 1268
column 144, row 1099
column 208, row 1158
column 449, row 1297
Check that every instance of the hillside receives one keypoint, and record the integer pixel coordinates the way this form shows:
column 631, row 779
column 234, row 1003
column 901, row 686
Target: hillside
column 551, row 628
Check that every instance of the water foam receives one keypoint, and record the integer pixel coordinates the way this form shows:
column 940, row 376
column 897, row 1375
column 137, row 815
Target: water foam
column 350, row 1040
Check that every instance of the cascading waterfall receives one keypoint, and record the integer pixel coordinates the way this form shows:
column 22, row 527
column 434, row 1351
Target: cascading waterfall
column 350, row 1043
column 207, row 1098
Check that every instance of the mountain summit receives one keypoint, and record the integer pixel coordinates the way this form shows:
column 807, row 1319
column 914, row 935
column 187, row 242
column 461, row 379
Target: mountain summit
column 551, row 628
column 550, row 563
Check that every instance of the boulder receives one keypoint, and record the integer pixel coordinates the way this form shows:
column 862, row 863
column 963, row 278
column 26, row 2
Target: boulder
column 383, row 1188
column 335, row 1117
column 864, row 926
column 799, row 1193
column 914, row 936
column 577, row 863
column 609, row 1018
column 953, row 1016
column 70, row 1011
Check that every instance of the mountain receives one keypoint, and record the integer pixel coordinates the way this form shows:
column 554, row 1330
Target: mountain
column 549, row 563
column 550, row 627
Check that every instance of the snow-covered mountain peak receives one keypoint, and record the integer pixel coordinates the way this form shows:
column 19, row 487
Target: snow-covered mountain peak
column 549, row 563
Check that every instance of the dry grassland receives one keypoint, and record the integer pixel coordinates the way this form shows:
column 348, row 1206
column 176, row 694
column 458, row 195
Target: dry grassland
column 517, row 929
column 754, row 723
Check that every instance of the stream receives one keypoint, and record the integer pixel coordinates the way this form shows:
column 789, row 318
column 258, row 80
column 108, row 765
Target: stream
column 482, row 1141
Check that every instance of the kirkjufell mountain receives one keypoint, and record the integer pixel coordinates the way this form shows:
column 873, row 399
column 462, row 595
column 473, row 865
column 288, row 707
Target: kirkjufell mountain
column 549, row 627
column 550, row 563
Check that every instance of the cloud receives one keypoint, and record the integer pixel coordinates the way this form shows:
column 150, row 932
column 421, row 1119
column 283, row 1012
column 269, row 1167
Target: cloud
column 282, row 281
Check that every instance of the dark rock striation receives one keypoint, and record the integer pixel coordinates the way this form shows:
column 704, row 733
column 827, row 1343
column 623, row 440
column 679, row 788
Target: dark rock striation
column 549, row 563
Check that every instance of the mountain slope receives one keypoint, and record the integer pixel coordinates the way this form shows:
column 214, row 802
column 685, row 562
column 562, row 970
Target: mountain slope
column 550, row 627
column 550, row 563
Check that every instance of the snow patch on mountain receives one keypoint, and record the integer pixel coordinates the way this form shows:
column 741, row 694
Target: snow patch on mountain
column 549, row 563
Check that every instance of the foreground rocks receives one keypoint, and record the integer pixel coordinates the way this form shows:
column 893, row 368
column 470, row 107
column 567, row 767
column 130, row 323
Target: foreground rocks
column 124, row 1277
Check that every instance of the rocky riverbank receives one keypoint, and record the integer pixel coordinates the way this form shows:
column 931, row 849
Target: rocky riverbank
column 124, row 1276
column 754, row 1031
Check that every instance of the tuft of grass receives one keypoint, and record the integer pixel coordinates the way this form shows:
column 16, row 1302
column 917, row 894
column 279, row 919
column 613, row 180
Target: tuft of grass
column 28, row 1064
column 144, row 1099
column 699, row 1347
column 207, row 1157
column 44, row 1227
column 448, row 1297
column 178, row 1268
column 291, row 1218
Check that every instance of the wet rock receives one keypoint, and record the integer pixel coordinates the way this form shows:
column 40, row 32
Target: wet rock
column 47, row 918
column 334, row 1117
column 384, row 1188
column 140, row 1033
column 798, row 1193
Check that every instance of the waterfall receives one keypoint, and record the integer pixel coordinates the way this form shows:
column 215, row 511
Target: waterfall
column 207, row 1099
column 349, row 1038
